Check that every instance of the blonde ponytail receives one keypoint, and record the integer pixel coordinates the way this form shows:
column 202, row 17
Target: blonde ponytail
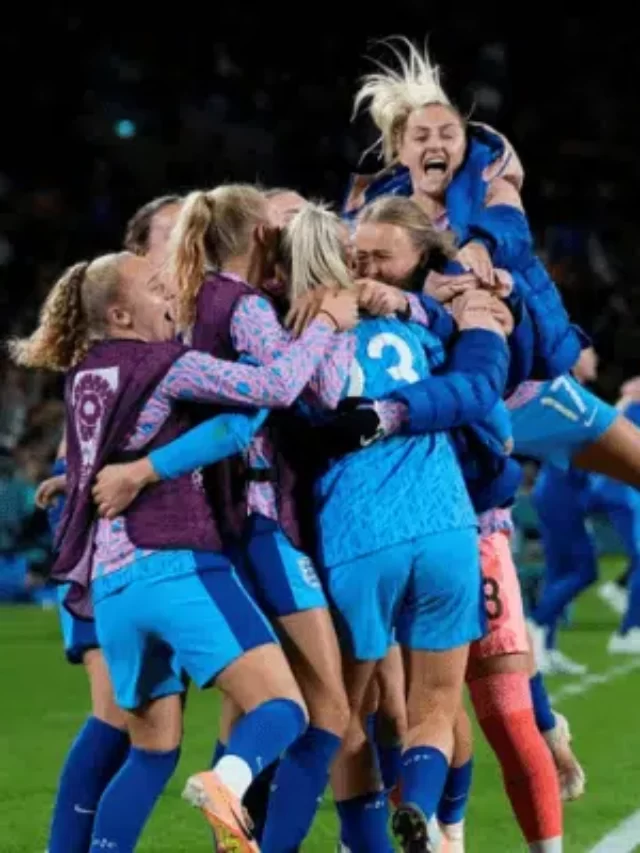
column 314, row 251
column 211, row 228
column 73, row 315
column 188, row 253
column 60, row 340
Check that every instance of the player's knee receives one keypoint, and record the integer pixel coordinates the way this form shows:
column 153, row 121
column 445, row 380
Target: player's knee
column 230, row 713
column 103, row 703
column 157, row 725
column 434, row 725
column 355, row 736
column 443, row 708
column 291, row 694
column 329, row 708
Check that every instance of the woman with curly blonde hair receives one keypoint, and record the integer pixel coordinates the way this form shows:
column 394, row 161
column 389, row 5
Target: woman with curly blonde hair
column 108, row 324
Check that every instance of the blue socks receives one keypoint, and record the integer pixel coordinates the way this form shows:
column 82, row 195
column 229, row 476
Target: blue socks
column 541, row 707
column 389, row 760
column 297, row 790
column 455, row 797
column 364, row 823
column 261, row 736
column 95, row 756
column 387, row 755
column 130, row 797
column 423, row 774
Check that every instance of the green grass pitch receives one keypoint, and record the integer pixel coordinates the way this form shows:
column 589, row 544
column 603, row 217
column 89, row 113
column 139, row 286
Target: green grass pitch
column 43, row 701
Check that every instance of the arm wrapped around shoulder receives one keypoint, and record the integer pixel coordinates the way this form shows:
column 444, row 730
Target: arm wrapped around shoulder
column 215, row 439
column 473, row 381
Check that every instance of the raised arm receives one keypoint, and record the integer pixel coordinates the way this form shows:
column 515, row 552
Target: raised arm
column 469, row 390
column 500, row 224
column 466, row 390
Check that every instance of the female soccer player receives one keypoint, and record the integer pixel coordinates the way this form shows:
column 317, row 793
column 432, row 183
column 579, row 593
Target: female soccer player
column 107, row 322
column 102, row 743
column 467, row 176
column 223, row 252
column 148, row 231
column 393, row 238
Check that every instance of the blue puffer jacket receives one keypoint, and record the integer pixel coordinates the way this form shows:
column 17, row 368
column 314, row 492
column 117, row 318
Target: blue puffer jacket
column 491, row 475
column 505, row 232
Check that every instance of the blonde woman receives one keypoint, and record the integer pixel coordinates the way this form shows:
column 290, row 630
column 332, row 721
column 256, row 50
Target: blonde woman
column 224, row 251
column 108, row 324
column 431, row 152
column 467, row 177
column 102, row 744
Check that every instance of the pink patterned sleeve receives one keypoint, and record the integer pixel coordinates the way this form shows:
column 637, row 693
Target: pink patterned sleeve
column 200, row 377
column 154, row 413
column 331, row 376
column 256, row 331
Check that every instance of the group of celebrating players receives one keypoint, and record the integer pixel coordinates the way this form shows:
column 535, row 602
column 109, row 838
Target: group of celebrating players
column 287, row 471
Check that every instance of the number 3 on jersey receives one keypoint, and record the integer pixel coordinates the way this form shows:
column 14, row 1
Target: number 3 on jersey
column 403, row 371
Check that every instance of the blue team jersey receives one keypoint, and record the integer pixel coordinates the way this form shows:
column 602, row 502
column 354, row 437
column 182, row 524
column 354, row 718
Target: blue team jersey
column 404, row 486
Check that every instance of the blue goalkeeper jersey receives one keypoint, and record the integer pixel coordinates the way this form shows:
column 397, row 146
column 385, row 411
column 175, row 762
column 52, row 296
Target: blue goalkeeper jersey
column 404, row 486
